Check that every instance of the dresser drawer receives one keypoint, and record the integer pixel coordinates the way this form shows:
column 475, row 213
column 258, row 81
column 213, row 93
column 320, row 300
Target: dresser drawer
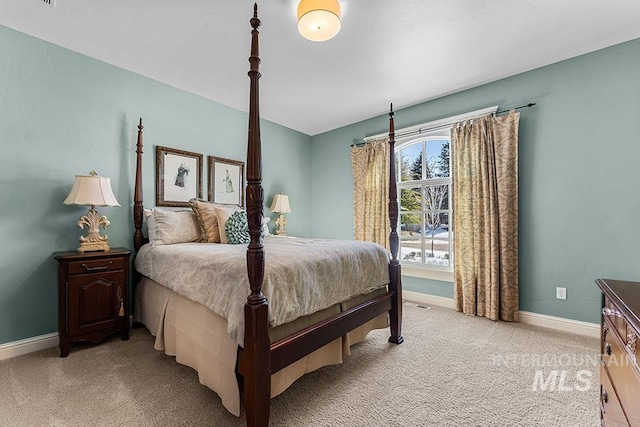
column 97, row 265
column 612, row 413
column 613, row 314
column 632, row 344
column 623, row 373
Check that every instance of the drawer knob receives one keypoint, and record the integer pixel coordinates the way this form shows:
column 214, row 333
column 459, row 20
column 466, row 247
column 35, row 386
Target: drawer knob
column 605, row 396
column 607, row 349
column 100, row 267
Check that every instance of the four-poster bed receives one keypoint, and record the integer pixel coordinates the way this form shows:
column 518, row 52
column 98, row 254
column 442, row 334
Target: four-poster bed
column 269, row 352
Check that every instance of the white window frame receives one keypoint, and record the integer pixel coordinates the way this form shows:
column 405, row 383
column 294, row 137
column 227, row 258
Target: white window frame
column 425, row 271
column 440, row 271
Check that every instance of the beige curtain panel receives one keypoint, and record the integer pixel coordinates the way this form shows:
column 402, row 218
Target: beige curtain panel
column 485, row 201
column 370, row 164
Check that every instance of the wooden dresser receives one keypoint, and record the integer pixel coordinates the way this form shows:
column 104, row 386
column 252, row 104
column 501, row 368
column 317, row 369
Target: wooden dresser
column 619, row 372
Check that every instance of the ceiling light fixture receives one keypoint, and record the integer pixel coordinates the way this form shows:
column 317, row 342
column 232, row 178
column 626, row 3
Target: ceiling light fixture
column 319, row 20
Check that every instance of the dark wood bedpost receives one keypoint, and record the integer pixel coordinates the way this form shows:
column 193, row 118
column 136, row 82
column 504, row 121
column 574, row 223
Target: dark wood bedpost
column 255, row 365
column 137, row 195
column 395, row 284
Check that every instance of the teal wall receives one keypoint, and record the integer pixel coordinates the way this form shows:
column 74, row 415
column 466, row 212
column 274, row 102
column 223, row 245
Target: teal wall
column 579, row 185
column 61, row 114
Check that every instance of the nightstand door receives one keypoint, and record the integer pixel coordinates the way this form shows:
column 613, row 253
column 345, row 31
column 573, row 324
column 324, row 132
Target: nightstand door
column 97, row 300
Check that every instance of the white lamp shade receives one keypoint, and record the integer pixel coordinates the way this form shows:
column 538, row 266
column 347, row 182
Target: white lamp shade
column 319, row 20
column 91, row 190
column 280, row 204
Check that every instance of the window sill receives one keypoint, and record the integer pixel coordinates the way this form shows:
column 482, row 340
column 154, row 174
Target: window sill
column 425, row 273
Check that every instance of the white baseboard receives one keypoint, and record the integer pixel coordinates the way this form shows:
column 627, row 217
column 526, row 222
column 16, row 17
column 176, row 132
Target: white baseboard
column 29, row 345
column 526, row 317
column 561, row 324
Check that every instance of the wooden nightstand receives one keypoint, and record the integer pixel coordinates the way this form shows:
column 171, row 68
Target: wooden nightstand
column 93, row 296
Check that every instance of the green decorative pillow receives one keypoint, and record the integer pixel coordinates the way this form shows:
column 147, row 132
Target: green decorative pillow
column 236, row 228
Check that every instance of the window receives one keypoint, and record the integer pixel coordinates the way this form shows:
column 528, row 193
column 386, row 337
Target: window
column 423, row 168
column 426, row 212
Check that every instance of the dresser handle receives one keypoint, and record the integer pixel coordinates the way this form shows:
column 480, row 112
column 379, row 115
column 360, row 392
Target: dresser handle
column 103, row 267
column 606, row 311
column 605, row 396
column 607, row 349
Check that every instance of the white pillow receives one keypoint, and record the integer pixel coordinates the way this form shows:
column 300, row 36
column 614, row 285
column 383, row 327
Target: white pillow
column 175, row 227
column 151, row 225
column 223, row 213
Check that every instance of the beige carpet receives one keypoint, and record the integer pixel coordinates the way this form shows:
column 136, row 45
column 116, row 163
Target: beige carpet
column 452, row 370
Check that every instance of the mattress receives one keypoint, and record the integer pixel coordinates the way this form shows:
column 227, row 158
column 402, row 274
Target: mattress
column 302, row 276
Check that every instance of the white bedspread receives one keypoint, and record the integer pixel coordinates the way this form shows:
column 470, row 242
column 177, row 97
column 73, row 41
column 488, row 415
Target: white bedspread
column 302, row 276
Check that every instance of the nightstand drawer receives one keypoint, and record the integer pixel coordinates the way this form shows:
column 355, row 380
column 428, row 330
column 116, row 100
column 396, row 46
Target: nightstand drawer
column 96, row 265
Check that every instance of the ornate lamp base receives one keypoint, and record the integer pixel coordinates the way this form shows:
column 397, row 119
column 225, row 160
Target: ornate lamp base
column 281, row 222
column 94, row 247
column 93, row 241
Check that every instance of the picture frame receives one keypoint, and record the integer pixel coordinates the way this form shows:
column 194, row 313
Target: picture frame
column 178, row 176
column 226, row 181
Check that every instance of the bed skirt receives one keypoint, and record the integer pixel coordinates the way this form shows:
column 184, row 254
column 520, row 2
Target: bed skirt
column 198, row 338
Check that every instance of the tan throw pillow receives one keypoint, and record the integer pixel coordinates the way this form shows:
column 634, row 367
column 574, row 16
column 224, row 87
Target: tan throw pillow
column 175, row 227
column 223, row 213
column 207, row 220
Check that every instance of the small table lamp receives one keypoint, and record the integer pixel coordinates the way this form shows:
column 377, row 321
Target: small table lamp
column 280, row 205
column 92, row 190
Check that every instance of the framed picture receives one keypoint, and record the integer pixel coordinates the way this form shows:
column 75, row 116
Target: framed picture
column 226, row 181
column 178, row 176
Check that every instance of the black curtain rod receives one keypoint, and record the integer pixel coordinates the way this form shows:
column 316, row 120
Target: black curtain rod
column 531, row 104
column 421, row 130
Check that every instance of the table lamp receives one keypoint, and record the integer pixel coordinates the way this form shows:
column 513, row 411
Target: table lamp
column 92, row 190
column 280, row 205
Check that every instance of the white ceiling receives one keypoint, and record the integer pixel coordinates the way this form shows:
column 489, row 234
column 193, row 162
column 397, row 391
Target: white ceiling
column 400, row 51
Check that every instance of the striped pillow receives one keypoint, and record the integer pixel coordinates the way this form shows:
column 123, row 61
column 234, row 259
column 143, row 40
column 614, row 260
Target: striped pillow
column 207, row 220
